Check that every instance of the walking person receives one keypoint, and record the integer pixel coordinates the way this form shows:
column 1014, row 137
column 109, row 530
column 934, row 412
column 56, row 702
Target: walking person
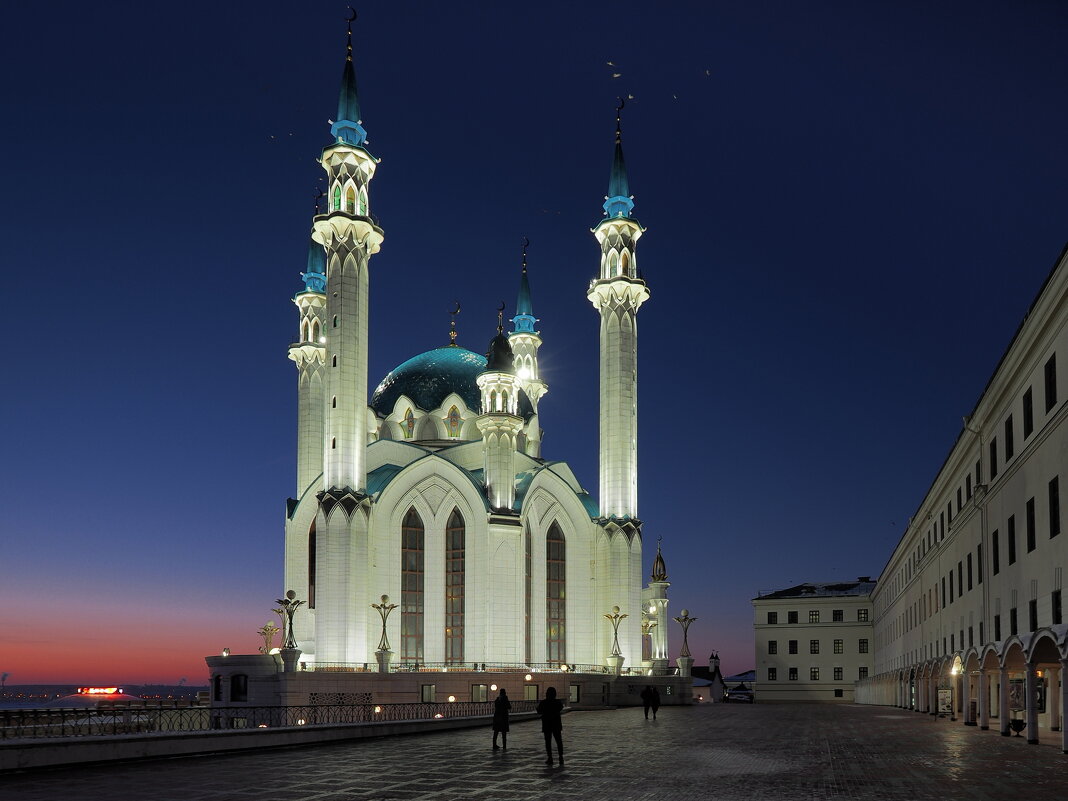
column 656, row 700
column 501, row 707
column 551, row 725
column 647, row 700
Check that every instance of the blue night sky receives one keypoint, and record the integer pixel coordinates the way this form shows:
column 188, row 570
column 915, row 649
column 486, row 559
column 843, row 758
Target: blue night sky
column 850, row 207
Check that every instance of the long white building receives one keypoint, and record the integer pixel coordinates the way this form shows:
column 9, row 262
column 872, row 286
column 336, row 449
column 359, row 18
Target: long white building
column 969, row 610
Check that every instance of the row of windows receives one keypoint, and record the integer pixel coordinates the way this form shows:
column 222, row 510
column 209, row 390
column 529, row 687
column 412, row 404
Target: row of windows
column 837, row 616
column 814, row 674
column 814, row 646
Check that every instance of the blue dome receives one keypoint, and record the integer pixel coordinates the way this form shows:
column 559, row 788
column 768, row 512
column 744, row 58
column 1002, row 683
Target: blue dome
column 428, row 378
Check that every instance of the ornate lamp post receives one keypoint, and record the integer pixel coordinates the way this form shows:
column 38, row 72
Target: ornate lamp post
column 384, row 653
column 268, row 632
column 685, row 661
column 288, row 607
column 615, row 660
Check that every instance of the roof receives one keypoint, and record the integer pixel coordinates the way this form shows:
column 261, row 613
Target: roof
column 822, row 590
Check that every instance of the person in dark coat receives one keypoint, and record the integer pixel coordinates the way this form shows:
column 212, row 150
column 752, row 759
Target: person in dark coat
column 656, row 701
column 647, row 699
column 501, row 707
column 551, row 725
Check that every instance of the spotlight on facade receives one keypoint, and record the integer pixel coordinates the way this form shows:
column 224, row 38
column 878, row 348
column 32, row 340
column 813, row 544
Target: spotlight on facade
column 262, row 726
column 493, row 687
column 439, row 715
column 226, row 651
column 528, row 677
column 652, row 609
column 301, row 722
column 452, row 699
column 378, row 710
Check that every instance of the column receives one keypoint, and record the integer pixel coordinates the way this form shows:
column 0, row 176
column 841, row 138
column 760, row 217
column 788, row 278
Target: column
column 984, row 700
column 932, row 696
column 1003, row 701
column 1064, row 708
column 1054, row 699
column 966, row 697
column 1032, row 707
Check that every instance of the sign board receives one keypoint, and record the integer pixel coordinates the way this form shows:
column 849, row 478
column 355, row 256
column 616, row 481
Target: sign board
column 945, row 702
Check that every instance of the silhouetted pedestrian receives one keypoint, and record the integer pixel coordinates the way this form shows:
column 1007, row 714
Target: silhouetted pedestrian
column 647, row 699
column 551, row 725
column 656, row 701
column 501, row 707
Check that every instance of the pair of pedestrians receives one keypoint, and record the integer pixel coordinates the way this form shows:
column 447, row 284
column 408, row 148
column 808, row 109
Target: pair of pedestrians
column 552, row 726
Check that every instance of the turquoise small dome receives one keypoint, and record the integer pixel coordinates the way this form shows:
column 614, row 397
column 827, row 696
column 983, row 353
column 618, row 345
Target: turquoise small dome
column 428, row 378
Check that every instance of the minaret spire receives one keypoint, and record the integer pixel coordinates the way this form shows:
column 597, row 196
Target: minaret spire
column 618, row 202
column 349, row 126
column 523, row 322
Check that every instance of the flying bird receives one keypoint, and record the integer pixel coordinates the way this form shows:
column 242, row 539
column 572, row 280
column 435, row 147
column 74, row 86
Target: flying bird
column 617, row 74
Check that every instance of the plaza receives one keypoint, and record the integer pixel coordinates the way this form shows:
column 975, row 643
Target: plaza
column 722, row 751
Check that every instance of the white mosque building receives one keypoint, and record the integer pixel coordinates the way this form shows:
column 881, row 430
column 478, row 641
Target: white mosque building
column 432, row 489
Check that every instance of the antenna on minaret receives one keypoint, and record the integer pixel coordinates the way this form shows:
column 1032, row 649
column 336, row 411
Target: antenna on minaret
column 349, row 22
column 500, row 318
column 452, row 323
column 619, row 123
column 526, row 244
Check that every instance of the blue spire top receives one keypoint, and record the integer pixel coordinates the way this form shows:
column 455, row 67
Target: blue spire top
column 524, row 319
column 618, row 203
column 348, row 128
column 315, row 277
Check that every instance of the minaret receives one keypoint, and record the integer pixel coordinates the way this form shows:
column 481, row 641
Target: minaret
column 309, row 354
column 657, row 612
column 617, row 294
column 525, row 342
column 499, row 422
column 350, row 236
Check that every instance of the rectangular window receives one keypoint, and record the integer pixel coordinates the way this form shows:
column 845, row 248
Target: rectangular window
column 951, row 595
column 555, row 596
column 960, row 578
column 958, row 499
column 1055, row 607
column 862, row 673
column 838, row 693
column 968, row 486
column 813, row 615
column 979, row 471
column 839, row 646
column 1032, row 615
column 813, row 674
column 949, row 512
column 792, row 646
column 1010, row 536
column 997, row 627
column 454, row 589
column 838, row 674
column 1028, row 414
column 943, row 592
column 837, row 615
column 952, row 642
column 1051, row 382
column 1012, row 621
column 773, row 646
column 969, row 572
column 1054, row 507
column 942, row 525
column 773, row 674
column 970, row 643
column 813, row 646
column 993, row 458
column 428, row 693
column 793, row 674
column 791, row 617
column 1030, row 518
column 574, row 693
column 530, row 692
column 862, row 615
column 773, row 618
column 979, row 563
column 479, row 693
column 862, row 646
column 995, row 552
column 1008, row 438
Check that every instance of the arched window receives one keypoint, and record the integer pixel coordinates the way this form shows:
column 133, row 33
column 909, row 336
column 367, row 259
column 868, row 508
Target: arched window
column 555, row 595
column 333, row 443
column 335, row 321
column 350, row 200
column 334, row 362
column 315, row 331
column 333, row 402
column 311, row 567
column 408, row 426
column 238, row 687
column 625, row 263
column 363, row 201
column 452, row 422
column 526, row 595
column 304, row 331
column 612, row 263
column 454, row 588
column 337, row 198
column 412, row 588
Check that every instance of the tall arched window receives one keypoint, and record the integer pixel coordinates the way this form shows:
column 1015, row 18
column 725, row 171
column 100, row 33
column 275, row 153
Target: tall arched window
column 311, row 567
column 624, row 263
column 337, row 197
column 555, row 595
column 350, row 200
column 613, row 262
column 363, row 201
column 526, row 595
column 454, row 588
column 412, row 588
column 315, row 331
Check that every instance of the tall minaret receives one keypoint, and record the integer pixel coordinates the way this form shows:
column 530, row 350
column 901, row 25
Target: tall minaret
column 525, row 342
column 350, row 237
column 309, row 354
column 499, row 422
column 617, row 294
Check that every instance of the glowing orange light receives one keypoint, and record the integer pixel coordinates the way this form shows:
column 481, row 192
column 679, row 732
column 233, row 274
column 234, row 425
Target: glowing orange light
column 99, row 690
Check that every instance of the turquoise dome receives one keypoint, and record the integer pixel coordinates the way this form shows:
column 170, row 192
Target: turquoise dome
column 427, row 379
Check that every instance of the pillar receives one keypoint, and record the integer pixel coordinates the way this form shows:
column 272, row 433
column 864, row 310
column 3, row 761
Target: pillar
column 1003, row 701
column 966, row 697
column 1064, row 708
column 984, row 700
column 1054, row 699
column 1032, row 707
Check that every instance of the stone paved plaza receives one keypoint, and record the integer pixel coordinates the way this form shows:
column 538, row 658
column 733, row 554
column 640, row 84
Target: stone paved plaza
column 765, row 752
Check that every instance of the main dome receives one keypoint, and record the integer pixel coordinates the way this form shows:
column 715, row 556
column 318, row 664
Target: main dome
column 428, row 378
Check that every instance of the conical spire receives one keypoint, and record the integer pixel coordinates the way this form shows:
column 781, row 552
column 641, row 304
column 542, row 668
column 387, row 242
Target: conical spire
column 523, row 322
column 348, row 128
column 315, row 277
column 618, row 202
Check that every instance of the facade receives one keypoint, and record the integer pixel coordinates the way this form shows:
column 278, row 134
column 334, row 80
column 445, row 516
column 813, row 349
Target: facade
column 433, row 490
column 968, row 610
column 813, row 641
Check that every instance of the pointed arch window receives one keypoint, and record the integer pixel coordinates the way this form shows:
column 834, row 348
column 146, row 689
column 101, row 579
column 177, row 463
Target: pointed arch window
column 350, row 200
column 337, row 197
column 412, row 587
column 624, row 264
column 311, row 567
column 555, row 595
column 363, row 202
column 304, row 331
column 613, row 263
column 526, row 595
column 408, row 426
column 452, row 422
column 455, row 546
column 315, row 331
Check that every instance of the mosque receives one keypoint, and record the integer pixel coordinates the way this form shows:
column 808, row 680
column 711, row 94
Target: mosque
column 427, row 531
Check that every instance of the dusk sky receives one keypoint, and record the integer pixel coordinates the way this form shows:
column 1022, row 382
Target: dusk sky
column 849, row 208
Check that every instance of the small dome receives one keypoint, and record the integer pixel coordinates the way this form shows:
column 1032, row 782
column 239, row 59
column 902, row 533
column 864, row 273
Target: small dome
column 429, row 378
column 499, row 357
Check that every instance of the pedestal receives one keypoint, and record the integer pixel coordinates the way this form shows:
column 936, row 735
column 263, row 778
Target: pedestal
column 615, row 663
column 659, row 667
column 684, row 663
column 383, row 658
column 290, row 657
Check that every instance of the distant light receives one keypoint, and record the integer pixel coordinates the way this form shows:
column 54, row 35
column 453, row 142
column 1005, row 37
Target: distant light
column 262, row 726
column 452, row 699
column 564, row 667
column 528, row 677
column 524, row 373
column 378, row 710
column 439, row 715
column 322, row 340
column 226, row 651
column 99, row 690
column 493, row 687
column 652, row 609
column 301, row 722
column 276, row 650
